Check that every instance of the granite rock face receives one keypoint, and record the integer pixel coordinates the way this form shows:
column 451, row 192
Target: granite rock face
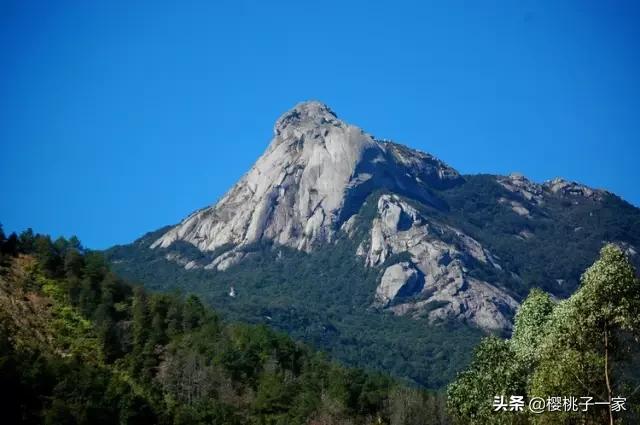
column 535, row 193
column 313, row 177
column 520, row 185
column 397, row 279
column 435, row 283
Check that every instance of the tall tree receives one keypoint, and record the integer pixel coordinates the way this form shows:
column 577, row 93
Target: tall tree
column 585, row 346
column 592, row 333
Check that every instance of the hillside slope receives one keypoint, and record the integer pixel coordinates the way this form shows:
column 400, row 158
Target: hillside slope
column 79, row 345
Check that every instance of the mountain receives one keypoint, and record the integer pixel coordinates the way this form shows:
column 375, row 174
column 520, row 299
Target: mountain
column 391, row 235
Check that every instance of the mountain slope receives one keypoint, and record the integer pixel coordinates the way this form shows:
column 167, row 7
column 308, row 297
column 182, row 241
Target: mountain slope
column 407, row 237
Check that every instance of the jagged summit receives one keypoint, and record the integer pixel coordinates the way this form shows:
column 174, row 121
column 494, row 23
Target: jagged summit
column 531, row 191
column 313, row 177
column 311, row 113
column 566, row 187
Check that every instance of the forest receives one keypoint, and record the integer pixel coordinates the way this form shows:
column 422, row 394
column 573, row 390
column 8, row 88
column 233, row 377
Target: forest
column 79, row 345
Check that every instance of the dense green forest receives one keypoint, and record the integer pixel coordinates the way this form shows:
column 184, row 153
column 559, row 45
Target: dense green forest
column 586, row 347
column 562, row 235
column 79, row 345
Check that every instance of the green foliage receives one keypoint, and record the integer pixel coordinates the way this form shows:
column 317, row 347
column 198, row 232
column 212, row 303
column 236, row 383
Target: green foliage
column 530, row 324
column 495, row 370
column 610, row 293
column 592, row 334
column 411, row 407
column 586, row 345
column 96, row 350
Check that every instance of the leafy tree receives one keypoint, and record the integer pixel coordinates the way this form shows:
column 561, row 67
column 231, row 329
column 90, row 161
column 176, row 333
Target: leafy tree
column 74, row 243
column 494, row 371
column 586, row 345
column 73, row 263
column 192, row 313
column 592, row 334
column 174, row 318
column 408, row 406
column 47, row 255
column 140, row 317
column 530, row 325
column 27, row 241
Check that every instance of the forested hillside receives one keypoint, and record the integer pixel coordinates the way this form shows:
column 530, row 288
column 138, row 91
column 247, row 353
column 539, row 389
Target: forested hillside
column 547, row 243
column 79, row 345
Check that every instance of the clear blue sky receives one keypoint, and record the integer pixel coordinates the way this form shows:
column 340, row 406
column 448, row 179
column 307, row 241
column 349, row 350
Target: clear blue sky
column 119, row 117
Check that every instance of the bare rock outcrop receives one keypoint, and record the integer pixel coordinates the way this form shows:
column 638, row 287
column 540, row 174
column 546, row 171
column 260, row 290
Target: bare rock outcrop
column 437, row 276
column 569, row 188
column 535, row 193
column 519, row 184
column 312, row 178
column 397, row 279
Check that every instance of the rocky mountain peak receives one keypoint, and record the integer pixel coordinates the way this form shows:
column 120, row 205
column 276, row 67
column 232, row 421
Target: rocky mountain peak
column 315, row 174
column 428, row 231
column 305, row 114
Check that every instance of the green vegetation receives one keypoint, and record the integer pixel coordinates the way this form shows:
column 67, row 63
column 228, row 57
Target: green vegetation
column 585, row 346
column 562, row 238
column 78, row 345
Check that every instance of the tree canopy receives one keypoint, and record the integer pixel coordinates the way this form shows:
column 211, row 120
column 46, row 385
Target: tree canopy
column 585, row 347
